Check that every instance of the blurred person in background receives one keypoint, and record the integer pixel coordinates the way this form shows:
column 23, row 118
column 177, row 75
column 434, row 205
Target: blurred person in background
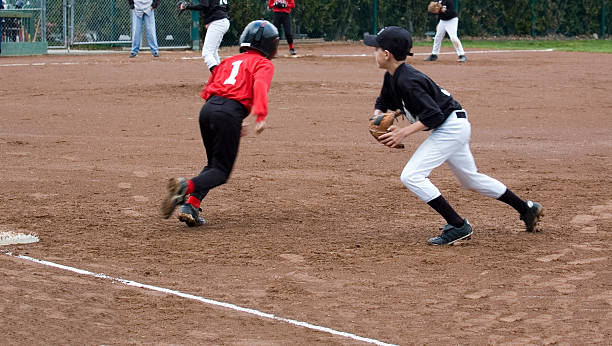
column 216, row 21
column 143, row 12
column 282, row 18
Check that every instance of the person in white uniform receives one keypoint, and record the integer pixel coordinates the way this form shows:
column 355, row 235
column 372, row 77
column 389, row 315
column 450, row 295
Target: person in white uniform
column 143, row 12
column 216, row 21
column 447, row 25
column 431, row 108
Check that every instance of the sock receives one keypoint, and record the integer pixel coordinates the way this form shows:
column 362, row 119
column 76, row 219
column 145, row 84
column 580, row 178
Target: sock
column 291, row 46
column 440, row 205
column 190, row 187
column 514, row 201
column 194, row 201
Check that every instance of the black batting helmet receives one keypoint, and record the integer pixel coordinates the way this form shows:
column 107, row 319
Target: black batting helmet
column 260, row 35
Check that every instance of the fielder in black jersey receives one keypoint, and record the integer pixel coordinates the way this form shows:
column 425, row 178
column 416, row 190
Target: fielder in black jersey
column 216, row 21
column 448, row 23
column 432, row 108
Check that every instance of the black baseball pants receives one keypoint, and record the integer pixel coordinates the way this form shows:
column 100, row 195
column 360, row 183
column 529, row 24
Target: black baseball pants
column 284, row 19
column 220, row 126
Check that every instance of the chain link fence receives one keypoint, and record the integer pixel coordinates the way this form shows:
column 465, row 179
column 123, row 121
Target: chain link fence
column 68, row 23
column 89, row 22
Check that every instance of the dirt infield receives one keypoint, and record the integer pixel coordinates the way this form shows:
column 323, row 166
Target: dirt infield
column 314, row 224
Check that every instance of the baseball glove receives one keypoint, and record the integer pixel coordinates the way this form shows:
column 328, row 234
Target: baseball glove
column 280, row 4
column 182, row 5
column 380, row 123
column 434, row 7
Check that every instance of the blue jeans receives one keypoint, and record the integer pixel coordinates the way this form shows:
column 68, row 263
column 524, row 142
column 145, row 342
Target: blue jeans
column 149, row 22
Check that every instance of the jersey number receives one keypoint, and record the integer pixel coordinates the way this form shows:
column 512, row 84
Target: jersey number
column 235, row 69
column 223, row 2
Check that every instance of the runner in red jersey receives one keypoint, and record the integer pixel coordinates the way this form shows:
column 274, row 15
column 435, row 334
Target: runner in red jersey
column 236, row 88
column 244, row 78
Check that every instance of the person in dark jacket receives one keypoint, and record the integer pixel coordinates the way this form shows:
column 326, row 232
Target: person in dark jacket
column 216, row 21
column 448, row 24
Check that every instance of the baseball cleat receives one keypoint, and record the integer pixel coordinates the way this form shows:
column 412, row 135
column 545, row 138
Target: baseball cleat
column 532, row 215
column 175, row 196
column 451, row 234
column 462, row 58
column 191, row 216
column 292, row 51
column 432, row 57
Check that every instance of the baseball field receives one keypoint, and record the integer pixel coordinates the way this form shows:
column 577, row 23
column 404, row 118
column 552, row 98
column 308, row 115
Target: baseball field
column 314, row 240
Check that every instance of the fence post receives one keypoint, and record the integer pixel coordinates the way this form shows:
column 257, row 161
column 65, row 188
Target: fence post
column 65, row 26
column 533, row 19
column 43, row 21
column 375, row 17
column 603, row 19
column 113, row 16
column 71, row 6
column 195, row 28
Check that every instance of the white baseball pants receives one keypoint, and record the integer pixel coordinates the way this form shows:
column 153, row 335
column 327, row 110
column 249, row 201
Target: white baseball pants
column 450, row 27
column 214, row 34
column 448, row 143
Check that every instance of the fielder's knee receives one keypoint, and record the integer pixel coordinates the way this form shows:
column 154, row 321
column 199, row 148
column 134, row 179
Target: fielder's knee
column 410, row 180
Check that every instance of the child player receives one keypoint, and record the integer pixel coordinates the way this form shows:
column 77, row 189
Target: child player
column 431, row 108
column 216, row 21
column 238, row 87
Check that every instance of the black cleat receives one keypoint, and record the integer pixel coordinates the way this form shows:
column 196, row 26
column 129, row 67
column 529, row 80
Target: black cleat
column 432, row 57
column 451, row 234
column 532, row 215
column 175, row 196
column 133, row 55
column 191, row 216
column 462, row 58
column 292, row 51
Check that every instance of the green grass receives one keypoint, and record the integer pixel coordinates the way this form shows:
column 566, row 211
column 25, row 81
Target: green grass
column 568, row 45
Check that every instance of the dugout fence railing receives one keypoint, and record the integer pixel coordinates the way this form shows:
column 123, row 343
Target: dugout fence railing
column 89, row 23
column 23, row 28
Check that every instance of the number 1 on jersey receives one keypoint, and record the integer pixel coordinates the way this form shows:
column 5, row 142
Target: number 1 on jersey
column 235, row 69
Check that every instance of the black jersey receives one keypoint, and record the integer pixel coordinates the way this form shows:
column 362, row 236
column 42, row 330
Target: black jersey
column 211, row 9
column 417, row 95
column 450, row 12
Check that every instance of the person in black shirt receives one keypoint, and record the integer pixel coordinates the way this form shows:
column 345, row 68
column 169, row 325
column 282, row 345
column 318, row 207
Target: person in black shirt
column 448, row 24
column 216, row 21
column 432, row 108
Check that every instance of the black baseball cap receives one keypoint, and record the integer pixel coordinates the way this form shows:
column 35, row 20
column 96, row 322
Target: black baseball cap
column 392, row 38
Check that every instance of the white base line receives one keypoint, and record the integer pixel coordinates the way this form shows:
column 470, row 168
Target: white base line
column 204, row 300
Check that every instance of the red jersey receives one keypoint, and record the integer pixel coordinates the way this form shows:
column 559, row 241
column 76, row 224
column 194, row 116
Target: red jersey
column 245, row 78
column 289, row 4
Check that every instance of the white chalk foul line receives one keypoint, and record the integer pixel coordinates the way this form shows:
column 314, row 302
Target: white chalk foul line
column 204, row 300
